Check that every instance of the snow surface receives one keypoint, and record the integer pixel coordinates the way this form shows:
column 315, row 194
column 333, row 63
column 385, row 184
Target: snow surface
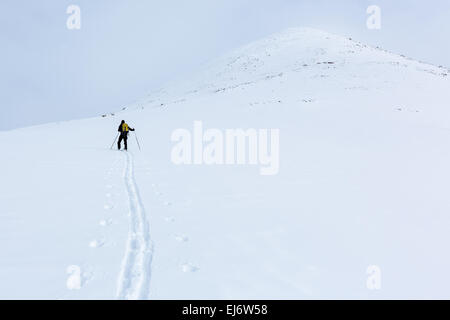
column 363, row 180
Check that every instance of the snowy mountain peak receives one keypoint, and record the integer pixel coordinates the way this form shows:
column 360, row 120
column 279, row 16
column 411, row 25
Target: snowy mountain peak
column 308, row 57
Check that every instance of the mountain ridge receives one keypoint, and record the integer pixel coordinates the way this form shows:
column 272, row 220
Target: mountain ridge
column 303, row 47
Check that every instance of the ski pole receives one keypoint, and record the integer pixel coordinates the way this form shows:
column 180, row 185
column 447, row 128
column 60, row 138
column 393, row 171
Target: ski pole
column 135, row 135
column 115, row 140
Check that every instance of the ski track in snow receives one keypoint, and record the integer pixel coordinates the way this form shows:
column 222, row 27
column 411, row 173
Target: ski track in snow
column 135, row 273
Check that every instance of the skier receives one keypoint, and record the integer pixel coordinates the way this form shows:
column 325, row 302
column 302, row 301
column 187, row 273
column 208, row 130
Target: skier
column 123, row 129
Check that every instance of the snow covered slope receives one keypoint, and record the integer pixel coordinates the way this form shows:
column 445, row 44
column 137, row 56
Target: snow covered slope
column 363, row 180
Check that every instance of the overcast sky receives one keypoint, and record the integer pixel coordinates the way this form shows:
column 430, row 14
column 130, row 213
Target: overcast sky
column 125, row 49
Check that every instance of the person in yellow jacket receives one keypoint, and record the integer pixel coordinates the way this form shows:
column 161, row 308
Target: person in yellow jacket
column 123, row 129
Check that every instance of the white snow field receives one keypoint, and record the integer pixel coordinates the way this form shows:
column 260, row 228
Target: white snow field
column 363, row 180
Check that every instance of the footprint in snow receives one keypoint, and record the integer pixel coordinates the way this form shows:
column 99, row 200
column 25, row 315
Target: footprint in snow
column 188, row 267
column 77, row 277
column 105, row 222
column 181, row 238
column 169, row 219
column 74, row 281
column 96, row 243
